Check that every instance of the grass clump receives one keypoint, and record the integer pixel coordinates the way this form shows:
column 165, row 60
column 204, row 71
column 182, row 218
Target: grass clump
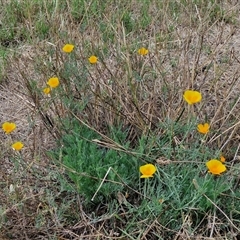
column 107, row 174
column 117, row 91
column 89, row 164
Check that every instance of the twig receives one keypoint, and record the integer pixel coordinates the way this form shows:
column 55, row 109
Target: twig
column 101, row 183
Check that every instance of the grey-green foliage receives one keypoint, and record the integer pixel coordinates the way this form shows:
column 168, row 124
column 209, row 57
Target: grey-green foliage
column 177, row 190
column 87, row 163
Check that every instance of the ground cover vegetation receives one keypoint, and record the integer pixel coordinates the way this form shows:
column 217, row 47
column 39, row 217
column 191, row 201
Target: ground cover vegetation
column 120, row 119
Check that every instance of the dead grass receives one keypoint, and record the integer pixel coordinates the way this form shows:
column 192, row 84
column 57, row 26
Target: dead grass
column 204, row 56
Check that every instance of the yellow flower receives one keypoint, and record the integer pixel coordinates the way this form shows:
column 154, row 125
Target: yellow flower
column 203, row 128
column 53, row 82
column 8, row 127
column 17, row 146
column 47, row 90
column 142, row 51
column 222, row 159
column 147, row 170
column 93, row 59
column 68, row 48
column 215, row 166
column 192, row 97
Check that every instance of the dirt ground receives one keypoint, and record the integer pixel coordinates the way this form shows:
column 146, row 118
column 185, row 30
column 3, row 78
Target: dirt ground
column 19, row 185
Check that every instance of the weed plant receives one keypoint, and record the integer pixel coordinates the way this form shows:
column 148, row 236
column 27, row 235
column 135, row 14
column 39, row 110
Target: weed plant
column 140, row 82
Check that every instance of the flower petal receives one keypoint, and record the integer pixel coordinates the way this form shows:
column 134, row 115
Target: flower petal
column 47, row 90
column 192, row 97
column 203, row 128
column 17, row 146
column 8, row 127
column 67, row 48
column 215, row 166
column 93, row 59
column 53, row 82
column 142, row 51
column 147, row 170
